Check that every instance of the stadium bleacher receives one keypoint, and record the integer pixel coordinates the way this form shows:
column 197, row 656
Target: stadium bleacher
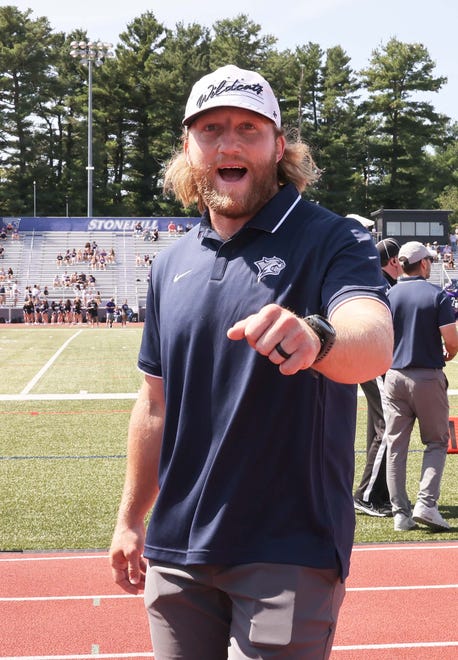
column 32, row 257
column 33, row 260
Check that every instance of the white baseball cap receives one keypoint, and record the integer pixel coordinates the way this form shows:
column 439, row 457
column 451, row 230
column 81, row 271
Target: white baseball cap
column 236, row 88
column 414, row 251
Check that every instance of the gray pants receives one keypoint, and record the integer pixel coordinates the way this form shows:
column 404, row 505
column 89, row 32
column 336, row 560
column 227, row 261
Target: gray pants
column 416, row 394
column 251, row 611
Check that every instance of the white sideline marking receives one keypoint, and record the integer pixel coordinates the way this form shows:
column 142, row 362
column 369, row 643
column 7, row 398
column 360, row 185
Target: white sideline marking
column 84, row 396
column 77, row 657
column 79, row 396
column 45, row 368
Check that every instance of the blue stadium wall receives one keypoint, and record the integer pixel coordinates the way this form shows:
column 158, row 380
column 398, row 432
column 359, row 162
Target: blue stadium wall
column 92, row 224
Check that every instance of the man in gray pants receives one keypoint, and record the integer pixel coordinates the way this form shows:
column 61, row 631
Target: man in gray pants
column 425, row 337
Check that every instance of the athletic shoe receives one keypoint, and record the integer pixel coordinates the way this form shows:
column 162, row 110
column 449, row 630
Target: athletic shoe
column 385, row 509
column 430, row 516
column 403, row 523
column 371, row 509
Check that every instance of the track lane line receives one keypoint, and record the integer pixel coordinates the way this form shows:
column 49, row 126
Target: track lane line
column 403, row 645
column 78, row 657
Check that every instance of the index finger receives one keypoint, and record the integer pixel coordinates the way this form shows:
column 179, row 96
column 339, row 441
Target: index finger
column 253, row 327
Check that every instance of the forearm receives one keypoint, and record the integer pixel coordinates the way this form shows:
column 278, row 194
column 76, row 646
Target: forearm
column 364, row 342
column 450, row 338
column 143, row 451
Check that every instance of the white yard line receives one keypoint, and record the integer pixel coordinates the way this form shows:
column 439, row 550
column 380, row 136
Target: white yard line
column 51, row 360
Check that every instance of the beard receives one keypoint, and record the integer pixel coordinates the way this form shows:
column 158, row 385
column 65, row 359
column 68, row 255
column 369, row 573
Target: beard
column 238, row 203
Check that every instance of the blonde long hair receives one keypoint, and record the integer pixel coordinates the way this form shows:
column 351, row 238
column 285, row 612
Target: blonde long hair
column 296, row 166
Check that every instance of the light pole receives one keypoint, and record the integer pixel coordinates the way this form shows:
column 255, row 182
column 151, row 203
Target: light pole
column 89, row 53
column 34, row 199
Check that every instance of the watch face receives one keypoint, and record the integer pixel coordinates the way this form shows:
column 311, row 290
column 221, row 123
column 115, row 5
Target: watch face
column 321, row 324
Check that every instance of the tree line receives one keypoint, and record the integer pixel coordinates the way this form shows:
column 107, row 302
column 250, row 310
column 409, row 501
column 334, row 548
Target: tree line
column 373, row 135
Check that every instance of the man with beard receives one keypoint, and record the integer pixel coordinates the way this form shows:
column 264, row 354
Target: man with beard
column 259, row 322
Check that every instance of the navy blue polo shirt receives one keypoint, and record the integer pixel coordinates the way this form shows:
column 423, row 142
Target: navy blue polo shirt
column 255, row 466
column 419, row 309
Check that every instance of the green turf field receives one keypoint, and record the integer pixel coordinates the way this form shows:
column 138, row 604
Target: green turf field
column 62, row 458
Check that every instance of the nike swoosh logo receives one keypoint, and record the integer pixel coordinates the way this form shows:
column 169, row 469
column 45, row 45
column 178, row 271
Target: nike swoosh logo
column 178, row 277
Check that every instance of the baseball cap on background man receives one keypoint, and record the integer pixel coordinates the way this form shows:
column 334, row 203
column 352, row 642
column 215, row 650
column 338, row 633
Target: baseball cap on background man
column 236, row 88
column 414, row 251
column 387, row 249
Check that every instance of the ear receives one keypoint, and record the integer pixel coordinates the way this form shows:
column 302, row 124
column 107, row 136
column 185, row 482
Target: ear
column 186, row 152
column 280, row 146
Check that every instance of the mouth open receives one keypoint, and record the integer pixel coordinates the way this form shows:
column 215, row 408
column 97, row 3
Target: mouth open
column 231, row 174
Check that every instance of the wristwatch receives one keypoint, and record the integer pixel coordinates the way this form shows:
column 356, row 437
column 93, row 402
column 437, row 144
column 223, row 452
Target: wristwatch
column 324, row 330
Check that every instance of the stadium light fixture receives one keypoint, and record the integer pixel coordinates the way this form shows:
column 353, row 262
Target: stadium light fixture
column 90, row 53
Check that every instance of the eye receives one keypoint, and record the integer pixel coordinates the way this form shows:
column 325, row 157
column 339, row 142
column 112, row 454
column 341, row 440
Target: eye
column 210, row 128
column 247, row 126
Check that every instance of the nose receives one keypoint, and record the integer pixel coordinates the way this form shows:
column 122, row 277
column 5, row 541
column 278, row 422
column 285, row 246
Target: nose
column 229, row 141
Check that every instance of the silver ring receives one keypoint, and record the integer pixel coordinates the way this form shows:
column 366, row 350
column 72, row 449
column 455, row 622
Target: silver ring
column 281, row 351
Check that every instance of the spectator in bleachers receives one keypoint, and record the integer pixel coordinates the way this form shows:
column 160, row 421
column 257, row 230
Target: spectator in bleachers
column 15, row 234
column 14, row 289
column 172, row 228
column 2, row 274
column 3, row 234
column 2, row 252
column 111, row 258
column 189, row 226
column 59, row 259
column 447, row 257
column 35, row 292
column 10, row 273
column 102, row 262
column 57, row 283
column 2, row 293
column 138, row 228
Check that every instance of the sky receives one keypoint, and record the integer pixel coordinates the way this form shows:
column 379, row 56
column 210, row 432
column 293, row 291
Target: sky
column 358, row 26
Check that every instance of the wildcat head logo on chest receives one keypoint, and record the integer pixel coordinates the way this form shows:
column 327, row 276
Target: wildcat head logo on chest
column 269, row 266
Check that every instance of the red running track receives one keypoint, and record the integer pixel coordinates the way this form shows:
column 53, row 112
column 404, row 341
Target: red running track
column 401, row 604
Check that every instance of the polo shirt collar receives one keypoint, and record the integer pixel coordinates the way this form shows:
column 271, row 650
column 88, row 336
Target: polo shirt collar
column 269, row 218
